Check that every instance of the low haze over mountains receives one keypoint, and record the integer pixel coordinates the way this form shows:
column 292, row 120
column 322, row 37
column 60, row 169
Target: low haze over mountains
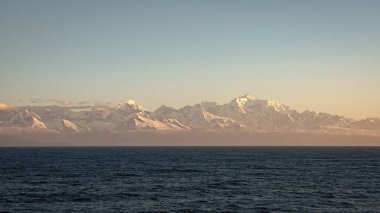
column 242, row 114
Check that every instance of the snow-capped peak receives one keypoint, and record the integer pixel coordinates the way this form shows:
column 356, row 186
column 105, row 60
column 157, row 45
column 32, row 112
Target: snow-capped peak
column 132, row 106
column 248, row 97
column 244, row 99
column 240, row 102
column 131, row 102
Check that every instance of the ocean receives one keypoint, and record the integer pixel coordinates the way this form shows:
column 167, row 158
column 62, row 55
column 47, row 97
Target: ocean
column 190, row 179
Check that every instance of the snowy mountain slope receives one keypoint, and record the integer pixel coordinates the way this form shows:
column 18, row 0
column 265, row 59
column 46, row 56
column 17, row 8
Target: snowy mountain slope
column 64, row 125
column 20, row 118
column 196, row 117
column 258, row 114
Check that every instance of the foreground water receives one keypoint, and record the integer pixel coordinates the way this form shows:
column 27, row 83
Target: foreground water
column 190, row 179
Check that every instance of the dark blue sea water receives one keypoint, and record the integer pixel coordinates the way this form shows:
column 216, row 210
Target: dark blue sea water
column 190, row 179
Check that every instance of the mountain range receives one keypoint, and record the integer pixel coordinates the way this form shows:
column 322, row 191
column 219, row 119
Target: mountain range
column 246, row 113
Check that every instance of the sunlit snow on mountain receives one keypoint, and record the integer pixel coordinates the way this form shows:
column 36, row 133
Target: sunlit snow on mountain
column 242, row 114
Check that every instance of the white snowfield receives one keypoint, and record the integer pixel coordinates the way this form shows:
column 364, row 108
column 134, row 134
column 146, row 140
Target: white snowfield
column 245, row 113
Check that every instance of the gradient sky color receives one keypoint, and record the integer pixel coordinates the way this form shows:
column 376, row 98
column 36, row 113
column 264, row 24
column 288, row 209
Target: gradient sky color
column 319, row 55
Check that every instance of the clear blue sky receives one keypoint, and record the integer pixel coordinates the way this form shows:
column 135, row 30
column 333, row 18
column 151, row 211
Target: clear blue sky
column 319, row 55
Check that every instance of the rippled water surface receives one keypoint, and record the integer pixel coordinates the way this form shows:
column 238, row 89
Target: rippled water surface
column 190, row 179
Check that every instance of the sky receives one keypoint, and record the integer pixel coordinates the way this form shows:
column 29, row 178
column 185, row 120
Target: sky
column 317, row 55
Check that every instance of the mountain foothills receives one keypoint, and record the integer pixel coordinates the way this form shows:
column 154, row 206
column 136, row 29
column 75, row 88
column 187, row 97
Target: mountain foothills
column 245, row 114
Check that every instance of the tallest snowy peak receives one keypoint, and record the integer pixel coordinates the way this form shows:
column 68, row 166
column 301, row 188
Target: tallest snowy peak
column 239, row 104
column 244, row 99
column 248, row 96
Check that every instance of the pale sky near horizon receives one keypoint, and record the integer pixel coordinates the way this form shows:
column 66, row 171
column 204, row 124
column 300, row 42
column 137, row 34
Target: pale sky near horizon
column 317, row 55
